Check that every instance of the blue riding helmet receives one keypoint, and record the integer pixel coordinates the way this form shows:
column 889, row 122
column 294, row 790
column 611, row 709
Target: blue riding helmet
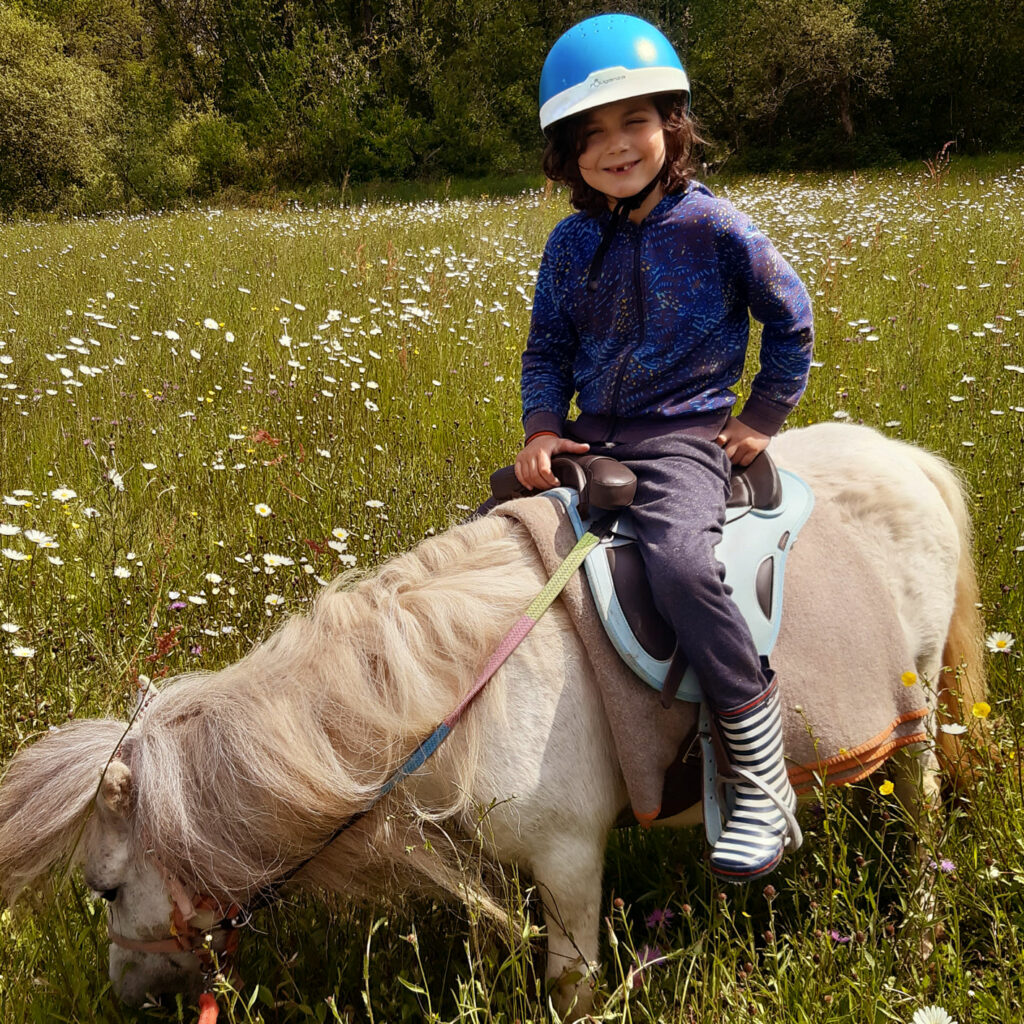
column 604, row 59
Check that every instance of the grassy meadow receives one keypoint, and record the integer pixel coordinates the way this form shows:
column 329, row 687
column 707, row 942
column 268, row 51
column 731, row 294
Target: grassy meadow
column 205, row 415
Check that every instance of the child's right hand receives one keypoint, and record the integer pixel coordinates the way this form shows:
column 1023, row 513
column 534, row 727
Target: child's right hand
column 533, row 463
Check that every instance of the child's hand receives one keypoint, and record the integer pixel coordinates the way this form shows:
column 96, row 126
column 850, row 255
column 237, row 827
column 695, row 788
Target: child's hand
column 533, row 463
column 742, row 443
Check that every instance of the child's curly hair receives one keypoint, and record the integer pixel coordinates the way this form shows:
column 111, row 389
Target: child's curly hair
column 566, row 142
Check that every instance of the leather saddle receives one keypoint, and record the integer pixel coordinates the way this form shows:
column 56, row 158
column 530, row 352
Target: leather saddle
column 775, row 506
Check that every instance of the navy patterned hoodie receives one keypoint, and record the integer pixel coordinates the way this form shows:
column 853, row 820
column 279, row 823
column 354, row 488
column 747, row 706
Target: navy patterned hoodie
column 660, row 343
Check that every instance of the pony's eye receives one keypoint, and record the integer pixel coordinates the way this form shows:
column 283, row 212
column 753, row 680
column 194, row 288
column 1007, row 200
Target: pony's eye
column 109, row 895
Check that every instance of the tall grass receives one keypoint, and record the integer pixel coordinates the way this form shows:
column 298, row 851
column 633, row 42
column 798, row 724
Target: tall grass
column 229, row 392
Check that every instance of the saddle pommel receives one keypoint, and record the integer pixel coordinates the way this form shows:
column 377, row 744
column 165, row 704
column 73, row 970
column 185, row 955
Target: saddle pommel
column 599, row 479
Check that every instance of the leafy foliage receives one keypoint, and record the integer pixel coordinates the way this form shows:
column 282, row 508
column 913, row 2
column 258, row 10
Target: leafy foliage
column 57, row 114
column 168, row 99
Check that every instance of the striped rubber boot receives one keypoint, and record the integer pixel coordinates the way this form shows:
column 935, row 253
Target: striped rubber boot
column 762, row 823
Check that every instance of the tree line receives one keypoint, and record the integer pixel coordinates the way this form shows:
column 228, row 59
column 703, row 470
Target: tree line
column 141, row 103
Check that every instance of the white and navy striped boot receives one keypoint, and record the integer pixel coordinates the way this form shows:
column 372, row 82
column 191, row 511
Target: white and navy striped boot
column 763, row 823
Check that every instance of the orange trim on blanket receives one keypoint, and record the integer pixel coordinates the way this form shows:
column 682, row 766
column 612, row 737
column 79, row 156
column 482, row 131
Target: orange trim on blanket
column 866, row 767
column 874, row 750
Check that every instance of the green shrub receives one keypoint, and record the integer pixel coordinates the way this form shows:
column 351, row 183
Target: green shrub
column 55, row 121
column 219, row 149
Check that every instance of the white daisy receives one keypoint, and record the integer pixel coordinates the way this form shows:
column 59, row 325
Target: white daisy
column 273, row 599
column 15, row 556
column 275, row 561
column 9, row 529
column 210, row 324
column 9, row 627
column 23, row 652
column 121, row 572
column 953, row 728
column 999, row 643
column 212, row 577
column 932, row 1015
column 262, row 510
column 63, row 494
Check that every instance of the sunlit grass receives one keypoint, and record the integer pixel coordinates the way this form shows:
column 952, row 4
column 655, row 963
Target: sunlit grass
column 205, row 415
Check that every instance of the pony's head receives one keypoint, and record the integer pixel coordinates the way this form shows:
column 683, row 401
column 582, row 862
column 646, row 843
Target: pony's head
column 64, row 801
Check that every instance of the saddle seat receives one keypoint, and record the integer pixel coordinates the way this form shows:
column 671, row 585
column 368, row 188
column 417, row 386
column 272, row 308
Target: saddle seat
column 607, row 484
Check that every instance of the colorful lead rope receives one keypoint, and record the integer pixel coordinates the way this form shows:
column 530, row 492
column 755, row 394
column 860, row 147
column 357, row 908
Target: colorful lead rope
column 512, row 639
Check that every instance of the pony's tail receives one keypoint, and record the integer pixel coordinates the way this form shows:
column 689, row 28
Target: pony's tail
column 962, row 681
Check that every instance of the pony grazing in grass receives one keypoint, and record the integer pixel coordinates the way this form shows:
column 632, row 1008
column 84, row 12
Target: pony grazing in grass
column 232, row 780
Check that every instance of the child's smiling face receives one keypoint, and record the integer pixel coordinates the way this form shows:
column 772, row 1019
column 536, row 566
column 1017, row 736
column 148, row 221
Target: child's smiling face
column 623, row 147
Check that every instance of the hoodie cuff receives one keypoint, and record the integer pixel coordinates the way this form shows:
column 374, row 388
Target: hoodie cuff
column 543, row 422
column 764, row 415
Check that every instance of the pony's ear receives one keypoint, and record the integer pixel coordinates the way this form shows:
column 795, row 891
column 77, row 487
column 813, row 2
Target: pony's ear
column 116, row 788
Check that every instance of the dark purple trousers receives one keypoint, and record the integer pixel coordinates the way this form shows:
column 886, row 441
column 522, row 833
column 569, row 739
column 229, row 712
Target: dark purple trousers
column 679, row 511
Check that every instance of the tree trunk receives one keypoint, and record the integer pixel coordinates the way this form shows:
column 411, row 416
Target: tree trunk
column 845, row 117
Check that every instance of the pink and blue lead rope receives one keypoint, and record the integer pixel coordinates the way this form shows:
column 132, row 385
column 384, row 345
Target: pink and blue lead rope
column 512, row 639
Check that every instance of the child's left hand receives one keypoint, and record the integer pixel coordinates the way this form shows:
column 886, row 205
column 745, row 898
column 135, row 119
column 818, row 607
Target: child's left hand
column 742, row 443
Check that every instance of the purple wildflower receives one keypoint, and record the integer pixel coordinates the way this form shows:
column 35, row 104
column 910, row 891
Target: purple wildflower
column 176, row 605
column 650, row 956
column 946, row 866
column 646, row 957
column 838, row 937
column 659, row 917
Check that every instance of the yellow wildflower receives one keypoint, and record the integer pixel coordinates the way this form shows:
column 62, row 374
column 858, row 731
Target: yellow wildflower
column 886, row 787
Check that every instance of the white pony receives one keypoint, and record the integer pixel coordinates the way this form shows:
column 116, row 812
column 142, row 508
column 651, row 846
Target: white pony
column 231, row 779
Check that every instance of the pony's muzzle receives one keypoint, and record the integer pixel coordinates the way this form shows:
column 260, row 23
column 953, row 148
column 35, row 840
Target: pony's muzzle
column 137, row 977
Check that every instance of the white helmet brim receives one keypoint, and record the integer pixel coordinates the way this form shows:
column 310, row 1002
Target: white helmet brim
column 609, row 85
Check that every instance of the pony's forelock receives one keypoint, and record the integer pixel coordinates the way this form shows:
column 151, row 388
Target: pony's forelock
column 45, row 797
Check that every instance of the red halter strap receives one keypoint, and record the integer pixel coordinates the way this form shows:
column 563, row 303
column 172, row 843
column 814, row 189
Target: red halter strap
column 186, row 935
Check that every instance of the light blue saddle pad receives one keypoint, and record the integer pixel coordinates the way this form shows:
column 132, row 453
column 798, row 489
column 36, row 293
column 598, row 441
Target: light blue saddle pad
column 754, row 546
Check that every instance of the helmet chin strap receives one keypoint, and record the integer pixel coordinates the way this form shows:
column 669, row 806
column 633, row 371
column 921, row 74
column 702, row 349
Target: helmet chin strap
column 622, row 210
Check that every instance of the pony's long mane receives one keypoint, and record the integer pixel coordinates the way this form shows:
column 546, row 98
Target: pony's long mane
column 240, row 774
column 45, row 797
